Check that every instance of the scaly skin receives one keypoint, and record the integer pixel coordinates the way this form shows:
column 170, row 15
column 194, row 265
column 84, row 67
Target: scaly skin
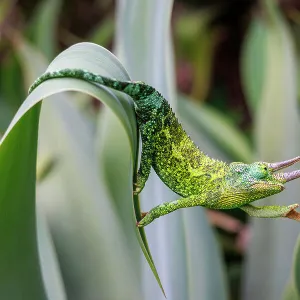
column 197, row 178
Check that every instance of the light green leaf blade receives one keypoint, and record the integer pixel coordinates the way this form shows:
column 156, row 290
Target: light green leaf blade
column 19, row 254
column 296, row 270
column 296, row 267
column 83, row 219
column 48, row 259
column 113, row 152
column 292, row 291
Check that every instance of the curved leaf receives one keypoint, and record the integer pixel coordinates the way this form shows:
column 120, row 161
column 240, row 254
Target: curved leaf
column 25, row 123
column 106, row 259
column 18, row 254
column 296, row 268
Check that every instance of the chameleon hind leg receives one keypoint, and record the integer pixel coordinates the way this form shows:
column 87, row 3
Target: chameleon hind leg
column 146, row 159
column 144, row 169
column 275, row 211
column 168, row 207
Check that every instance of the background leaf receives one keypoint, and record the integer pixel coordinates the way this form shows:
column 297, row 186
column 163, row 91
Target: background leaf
column 278, row 102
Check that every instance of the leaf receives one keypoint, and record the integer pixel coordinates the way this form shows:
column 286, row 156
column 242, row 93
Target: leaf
column 103, row 33
column 43, row 26
column 90, row 53
column 48, row 259
column 292, row 291
column 18, row 253
column 296, row 267
column 83, row 219
column 253, row 62
column 195, row 41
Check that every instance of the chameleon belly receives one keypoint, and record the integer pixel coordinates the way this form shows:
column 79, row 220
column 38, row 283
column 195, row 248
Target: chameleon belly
column 177, row 160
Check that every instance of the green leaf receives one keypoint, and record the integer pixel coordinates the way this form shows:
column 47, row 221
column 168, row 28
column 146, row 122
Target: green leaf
column 84, row 56
column 48, row 259
column 43, row 26
column 296, row 267
column 292, row 291
column 18, row 252
column 103, row 33
column 253, row 62
column 195, row 41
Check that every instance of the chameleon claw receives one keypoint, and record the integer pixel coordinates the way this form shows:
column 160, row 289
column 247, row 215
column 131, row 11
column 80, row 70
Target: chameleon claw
column 143, row 214
column 293, row 214
column 138, row 224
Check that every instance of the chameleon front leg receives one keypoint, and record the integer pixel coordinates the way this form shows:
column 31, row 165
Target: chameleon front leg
column 275, row 211
column 168, row 207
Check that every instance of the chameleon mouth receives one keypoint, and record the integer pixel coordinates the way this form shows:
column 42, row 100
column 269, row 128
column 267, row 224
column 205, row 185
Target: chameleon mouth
column 267, row 185
column 285, row 177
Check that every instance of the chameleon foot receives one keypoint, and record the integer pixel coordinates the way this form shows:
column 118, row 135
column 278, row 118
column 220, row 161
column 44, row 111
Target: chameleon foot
column 293, row 214
column 143, row 214
column 140, row 223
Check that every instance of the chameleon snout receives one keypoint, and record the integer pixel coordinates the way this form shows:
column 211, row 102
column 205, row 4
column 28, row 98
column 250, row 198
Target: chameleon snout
column 287, row 176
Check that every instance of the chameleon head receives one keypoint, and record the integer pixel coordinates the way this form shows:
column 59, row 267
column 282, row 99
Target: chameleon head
column 259, row 179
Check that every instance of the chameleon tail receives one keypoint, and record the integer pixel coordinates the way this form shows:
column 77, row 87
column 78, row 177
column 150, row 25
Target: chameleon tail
column 132, row 89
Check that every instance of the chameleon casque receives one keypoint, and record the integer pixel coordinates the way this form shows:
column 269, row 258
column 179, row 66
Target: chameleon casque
column 186, row 170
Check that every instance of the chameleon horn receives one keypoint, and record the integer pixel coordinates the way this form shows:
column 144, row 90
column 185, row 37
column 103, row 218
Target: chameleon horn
column 288, row 176
column 283, row 164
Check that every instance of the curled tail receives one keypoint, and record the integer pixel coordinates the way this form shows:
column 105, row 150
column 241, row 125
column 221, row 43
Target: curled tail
column 133, row 89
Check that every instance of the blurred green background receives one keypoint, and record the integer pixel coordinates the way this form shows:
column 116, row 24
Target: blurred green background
column 230, row 69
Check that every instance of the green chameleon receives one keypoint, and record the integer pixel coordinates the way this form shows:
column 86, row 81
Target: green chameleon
column 186, row 170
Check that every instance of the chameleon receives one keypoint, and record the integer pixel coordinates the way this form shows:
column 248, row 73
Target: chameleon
column 198, row 179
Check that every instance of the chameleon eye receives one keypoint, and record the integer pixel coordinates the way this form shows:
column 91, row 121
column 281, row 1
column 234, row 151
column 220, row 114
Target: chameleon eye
column 262, row 172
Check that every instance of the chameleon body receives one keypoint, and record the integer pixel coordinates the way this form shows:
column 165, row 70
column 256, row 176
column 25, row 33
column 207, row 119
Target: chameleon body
column 197, row 178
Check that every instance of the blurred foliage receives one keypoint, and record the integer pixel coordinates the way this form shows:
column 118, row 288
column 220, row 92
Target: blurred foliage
column 237, row 70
